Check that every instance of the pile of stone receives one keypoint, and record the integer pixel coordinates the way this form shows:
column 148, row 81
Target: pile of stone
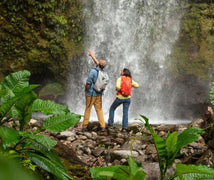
column 95, row 148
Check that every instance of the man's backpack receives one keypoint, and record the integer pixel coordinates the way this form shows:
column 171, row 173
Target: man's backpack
column 101, row 82
column 126, row 86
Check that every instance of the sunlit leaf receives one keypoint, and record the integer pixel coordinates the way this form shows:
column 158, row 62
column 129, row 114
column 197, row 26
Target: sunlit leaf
column 49, row 107
column 62, row 122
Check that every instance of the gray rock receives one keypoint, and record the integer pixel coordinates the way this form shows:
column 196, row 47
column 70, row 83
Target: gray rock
column 98, row 151
column 152, row 170
column 72, row 138
column 150, row 149
column 120, row 154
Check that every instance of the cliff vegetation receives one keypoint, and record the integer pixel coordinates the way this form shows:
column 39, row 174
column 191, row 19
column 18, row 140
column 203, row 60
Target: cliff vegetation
column 40, row 36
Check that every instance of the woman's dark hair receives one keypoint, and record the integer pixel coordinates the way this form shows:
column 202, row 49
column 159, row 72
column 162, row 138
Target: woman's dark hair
column 126, row 72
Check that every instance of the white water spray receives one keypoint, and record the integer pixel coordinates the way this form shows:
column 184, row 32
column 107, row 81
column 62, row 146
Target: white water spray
column 136, row 34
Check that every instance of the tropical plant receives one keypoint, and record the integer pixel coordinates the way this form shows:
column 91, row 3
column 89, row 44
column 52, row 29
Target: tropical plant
column 169, row 149
column 132, row 172
column 17, row 104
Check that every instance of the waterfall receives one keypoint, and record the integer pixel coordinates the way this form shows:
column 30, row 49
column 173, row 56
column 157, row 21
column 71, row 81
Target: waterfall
column 136, row 34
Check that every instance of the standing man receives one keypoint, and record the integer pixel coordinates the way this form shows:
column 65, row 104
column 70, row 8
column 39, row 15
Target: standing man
column 92, row 96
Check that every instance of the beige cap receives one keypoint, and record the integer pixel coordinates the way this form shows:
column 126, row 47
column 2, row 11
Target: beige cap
column 102, row 63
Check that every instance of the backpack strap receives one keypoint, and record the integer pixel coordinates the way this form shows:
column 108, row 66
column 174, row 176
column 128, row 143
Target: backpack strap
column 97, row 74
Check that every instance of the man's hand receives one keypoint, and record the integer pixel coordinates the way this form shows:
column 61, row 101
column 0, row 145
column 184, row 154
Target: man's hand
column 87, row 87
column 90, row 53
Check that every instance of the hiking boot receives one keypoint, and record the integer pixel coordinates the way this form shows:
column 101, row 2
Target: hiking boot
column 110, row 126
column 103, row 129
column 124, row 130
column 84, row 129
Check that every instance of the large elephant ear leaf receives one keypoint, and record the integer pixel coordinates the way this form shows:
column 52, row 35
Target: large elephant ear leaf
column 8, row 99
column 16, row 81
column 48, row 107
column 22, row 109
column 6, row 107
column 9, row 136
column 61, row 122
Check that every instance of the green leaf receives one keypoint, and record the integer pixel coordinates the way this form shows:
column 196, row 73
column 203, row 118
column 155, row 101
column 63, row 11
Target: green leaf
column 6, row 107
column 12, row 170
column 44, row 140
column 116, row 172
column 140, row 175
column 22, row 109
column 211, row 93
column 48, row 165
column 192, row 172
column 188, row 136
column 9, row 99
column 61, row 122
column 171, row 142
column 7, row 94
column 133, row 166
column 31, row 144
column 159, row 144
column 9, row 136
column 171, row 146
column 27, row 89
column 131, row 172
column 16, row 81
column 49, row 107
column 136, row 173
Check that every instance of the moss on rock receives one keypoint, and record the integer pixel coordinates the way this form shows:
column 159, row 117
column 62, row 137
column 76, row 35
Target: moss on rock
column 194, row 51
column 40, row 36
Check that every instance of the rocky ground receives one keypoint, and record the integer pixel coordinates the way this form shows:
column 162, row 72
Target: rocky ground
column 112, row 147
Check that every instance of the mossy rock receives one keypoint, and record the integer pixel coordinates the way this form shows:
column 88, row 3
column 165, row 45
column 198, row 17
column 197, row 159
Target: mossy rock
column 194, row 51
column 33, row 36
column 51, row 91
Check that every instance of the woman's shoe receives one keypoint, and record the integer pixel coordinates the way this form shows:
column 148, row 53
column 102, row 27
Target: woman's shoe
column 124, row 130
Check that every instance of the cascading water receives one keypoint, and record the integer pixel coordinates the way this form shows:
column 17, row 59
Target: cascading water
column 136, row 34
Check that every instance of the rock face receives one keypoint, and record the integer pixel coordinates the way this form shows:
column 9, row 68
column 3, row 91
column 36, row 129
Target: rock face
column 41, row 37
column 112, row 147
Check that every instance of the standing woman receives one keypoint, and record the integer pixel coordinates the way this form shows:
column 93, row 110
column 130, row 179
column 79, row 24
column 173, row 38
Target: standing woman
column 124, row 86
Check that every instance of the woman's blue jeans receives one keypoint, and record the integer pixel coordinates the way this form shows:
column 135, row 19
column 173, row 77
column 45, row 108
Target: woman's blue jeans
column 115, row 104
